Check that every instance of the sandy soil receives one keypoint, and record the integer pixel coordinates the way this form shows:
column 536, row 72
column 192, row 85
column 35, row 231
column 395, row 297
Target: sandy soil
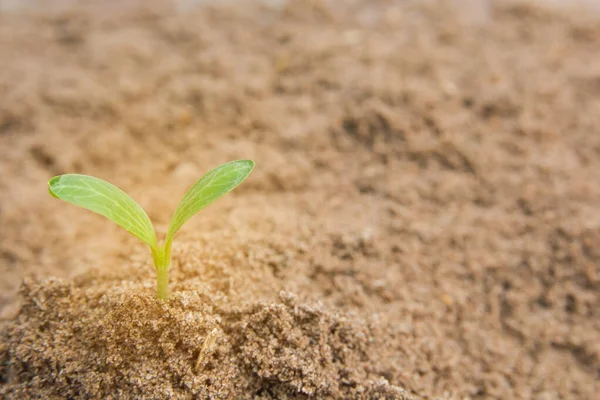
column 423, row 222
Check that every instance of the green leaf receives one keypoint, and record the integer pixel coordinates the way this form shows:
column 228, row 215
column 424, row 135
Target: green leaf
column 209, row 188
column 105, row 199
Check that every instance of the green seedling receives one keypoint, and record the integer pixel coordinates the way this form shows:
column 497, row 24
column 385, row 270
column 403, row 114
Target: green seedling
column 113, row 203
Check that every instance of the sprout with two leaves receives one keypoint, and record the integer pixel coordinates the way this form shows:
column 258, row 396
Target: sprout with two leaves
column 111, row 202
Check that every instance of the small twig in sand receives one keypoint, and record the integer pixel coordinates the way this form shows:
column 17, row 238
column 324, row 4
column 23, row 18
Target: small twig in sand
column 37, row 303
column 207, row 347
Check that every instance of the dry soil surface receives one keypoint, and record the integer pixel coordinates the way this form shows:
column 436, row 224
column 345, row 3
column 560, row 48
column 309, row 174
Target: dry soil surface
column 423, row 222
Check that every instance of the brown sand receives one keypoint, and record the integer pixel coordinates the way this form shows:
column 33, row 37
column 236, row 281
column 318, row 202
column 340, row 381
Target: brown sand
column 424, row 220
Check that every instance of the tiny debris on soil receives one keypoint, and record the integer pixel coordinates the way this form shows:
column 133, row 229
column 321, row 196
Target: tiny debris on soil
column 423, row 221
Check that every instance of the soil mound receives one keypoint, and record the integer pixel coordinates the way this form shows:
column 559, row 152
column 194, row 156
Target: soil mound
column 79, row 341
